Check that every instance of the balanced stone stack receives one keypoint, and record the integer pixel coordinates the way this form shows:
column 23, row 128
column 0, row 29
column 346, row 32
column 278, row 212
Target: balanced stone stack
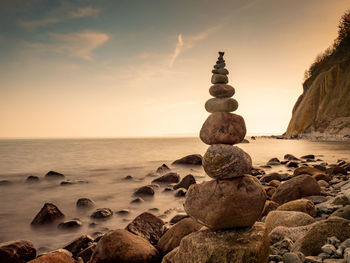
column 234, row 200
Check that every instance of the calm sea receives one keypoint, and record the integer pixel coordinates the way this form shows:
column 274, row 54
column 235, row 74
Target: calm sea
column 102, row 163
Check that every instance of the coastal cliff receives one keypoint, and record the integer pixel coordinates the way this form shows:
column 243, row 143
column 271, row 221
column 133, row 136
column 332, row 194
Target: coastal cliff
column 323, row 109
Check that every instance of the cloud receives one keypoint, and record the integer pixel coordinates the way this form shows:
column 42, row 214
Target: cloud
column 79, row 44
column 79, row 13
column 85, row 12
column 38, row 23
column 188, row 42
column 177, row 51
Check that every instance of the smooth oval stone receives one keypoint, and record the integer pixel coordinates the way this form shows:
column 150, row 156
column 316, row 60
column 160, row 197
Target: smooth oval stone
column 222, row 161
column 222, row 90
column 223, row 127
column 219, row 78
column 224, row 204
column 222, row 71
column 221, row 105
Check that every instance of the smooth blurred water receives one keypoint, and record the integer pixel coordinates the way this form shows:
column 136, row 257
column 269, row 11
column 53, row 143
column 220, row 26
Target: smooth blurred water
column 103, row 163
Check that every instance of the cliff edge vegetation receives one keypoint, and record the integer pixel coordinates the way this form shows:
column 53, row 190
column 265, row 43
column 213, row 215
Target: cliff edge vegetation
column 323, row 109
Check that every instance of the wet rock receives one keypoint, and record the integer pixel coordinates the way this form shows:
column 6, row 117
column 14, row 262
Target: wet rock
column 223, row 161
column 287, row 218
column 323, row 183
column 281, row 233
column 316, row 236
column 48, row 214
column 171, row 239
column 274, row 183
column 300, row 205
column 86, row 253
column 70, row 224
column 322, row 176
column 59, row 256
column 123, row 212
column 168, row 178
column 269, row 206
column 241, row 245
column 144, row 191
column 181, row 192
column 291, row 257
column 290, row 157
column 85, row 203
column 193, row 159
column 343, row 212
column 147, row 226
column 308, row 156
column 138, row 200
column 168, row 189
column 296, row 188
column 269, row 190
column 292, row 164
column 186, row 182
column 19, row 251
column 32, row 179
column 102, row 213
column 163, row 168
column 177, row 218
column 223, row 127
column 273, row 161
column 222, row 91
column 316, row 199
column 220, row 204
column 272, row 176
column 124, row 247
column 307, row 170
column 54, row 175
column 79, row 244
column 128, row 178
column 336, row 170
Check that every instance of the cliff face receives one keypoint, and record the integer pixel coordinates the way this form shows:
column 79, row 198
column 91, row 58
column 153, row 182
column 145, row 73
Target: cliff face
column 324, row 107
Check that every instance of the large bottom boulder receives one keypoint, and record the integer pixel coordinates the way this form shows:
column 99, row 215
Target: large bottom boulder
column 224, row 246
column 124, row 247
column 59, row 256
column 19, row 251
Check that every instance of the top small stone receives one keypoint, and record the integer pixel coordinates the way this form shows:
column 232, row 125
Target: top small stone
column 221, row 62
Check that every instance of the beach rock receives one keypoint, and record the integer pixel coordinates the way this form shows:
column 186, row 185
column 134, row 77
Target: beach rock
column 308, row 156
column 222, row 161
column 281, row 233
column 287, row 218
column 221, row 105
column 147, row 226
column 292, row 164
column 316, row 236
column 178, row 218
column 336, row 170
column 171, row 239
column 79, row 244
column 60, row 256
column 322, row 176
column 223, row 127
column 219, row 78
column 300, row 205
column 343, row 212
column 316, row 199
column 240, row 245
column 306, row 170
column 323, row 183
column 290, row 157
column 19, row 251
column 272, row 176
column 123, row 212
column 291, row 257
column 48, row 214
column 5, row 182
column 137, row 200
column 274, row 161
column 144, row 191
column 163, row 168
column 222, row 71
column 181, row 192
column 186, row 182
column 274, row 183
column 221, row 91
column 85, row 203
column 70, row 224
column 124, row 247
column 269, row 190
column 54, row 175
column 296, row 188
column 269, row 206
column 128, row 178
column 32, row 179
column 193, row 159
column 221, row 204
column 102, row 213
column 168, row 178
column 86, row 253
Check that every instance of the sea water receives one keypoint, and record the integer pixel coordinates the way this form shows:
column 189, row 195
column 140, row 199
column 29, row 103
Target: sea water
column 101, row 165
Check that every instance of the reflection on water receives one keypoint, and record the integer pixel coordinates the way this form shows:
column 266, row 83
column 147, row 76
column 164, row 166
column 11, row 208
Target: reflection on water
column 103, row 163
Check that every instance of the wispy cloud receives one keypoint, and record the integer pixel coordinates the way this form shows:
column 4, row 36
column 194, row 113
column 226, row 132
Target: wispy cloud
column 85, row 12
column 79, row 44
column 79, row 13
column 188, row 42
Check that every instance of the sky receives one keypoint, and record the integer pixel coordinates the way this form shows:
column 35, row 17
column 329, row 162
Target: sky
column 126, row 68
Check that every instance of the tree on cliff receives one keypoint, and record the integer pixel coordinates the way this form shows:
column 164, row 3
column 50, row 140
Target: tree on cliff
column 344, row 28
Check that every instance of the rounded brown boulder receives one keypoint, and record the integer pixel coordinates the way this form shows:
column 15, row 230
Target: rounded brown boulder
column 224, row 204
column 124, row 247
column 300, row 205
column 296, row 188
column 223, row 127
column 222, row 161
column 221, row 90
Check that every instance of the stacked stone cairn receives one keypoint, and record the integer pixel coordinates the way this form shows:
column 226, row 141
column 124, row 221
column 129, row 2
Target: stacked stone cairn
column 231, row 203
